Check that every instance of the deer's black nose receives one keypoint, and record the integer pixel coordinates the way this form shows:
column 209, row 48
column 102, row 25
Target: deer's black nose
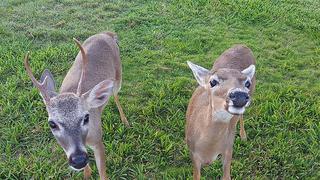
column 78, row 160
column 239, row 98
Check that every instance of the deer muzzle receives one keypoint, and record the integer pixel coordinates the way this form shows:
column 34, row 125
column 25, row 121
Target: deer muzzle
column 239, row 98
column 237, row 101
column 78, row 160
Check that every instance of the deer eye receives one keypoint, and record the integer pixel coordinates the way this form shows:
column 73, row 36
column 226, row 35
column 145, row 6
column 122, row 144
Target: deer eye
column 247, row 84
column 53, row 125
column 86, row 119
column 213, row 83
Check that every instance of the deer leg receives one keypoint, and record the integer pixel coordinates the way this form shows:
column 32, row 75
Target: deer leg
column 87, row 172
column 99, row 155
column 122, row 116
column 196, row 168
column 243, row 134
column 227, row 157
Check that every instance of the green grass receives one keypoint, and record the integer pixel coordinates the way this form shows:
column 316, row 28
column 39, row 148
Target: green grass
column 156, row 40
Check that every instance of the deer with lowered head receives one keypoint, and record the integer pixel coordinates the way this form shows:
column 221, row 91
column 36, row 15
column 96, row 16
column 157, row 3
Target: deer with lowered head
column 75, row 112
column 216, row 105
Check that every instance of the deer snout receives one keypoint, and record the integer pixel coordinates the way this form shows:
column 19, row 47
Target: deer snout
column 239, row 98
column 78, row 160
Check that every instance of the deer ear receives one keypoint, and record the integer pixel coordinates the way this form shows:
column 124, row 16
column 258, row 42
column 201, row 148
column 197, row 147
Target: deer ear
column 249, row 71
column 50, row 83
column 100, row 94
column 199, row 73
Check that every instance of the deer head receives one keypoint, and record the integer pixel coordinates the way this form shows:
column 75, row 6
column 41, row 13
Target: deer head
column 228, row 89
column 69, row 117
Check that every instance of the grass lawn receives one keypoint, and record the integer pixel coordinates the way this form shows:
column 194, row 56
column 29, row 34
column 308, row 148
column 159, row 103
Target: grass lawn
column 156, row 40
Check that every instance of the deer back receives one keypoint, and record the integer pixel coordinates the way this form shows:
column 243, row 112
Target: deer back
column 103, row 63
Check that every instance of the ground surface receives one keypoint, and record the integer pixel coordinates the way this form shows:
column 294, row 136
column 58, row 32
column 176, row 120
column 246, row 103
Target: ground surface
column 156, row 40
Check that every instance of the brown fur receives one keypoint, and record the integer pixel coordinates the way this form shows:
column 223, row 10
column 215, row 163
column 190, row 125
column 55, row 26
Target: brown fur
column 103, row 63
column 206, row 136
column 238, row 57
column 102, row 70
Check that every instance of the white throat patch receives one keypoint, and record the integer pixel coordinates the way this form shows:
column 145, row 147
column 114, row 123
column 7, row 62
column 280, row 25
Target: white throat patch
column 222, row 115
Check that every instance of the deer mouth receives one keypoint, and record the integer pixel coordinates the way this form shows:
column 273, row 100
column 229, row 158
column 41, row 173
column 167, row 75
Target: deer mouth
column 237, row 101
column 75, row 169
column 235, row 110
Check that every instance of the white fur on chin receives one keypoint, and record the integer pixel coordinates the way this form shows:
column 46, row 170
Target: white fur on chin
column 76, row 169
column 234, row 110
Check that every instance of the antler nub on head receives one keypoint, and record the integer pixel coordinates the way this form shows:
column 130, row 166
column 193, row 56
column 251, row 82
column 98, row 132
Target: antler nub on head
column 84, row 65
column 41, row 86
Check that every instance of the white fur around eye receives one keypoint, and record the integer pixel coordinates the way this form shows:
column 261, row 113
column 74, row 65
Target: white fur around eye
column 84, row 128
column 212, row 78
column 59, row 132
column 244, row 83
column 85, row 122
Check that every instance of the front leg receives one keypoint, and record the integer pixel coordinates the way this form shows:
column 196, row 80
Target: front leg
column 94, row 140
column 227, row 157
column 99, row 155
column 87, row 172
column 122, row 116
column 196, row 167
column 243, row 134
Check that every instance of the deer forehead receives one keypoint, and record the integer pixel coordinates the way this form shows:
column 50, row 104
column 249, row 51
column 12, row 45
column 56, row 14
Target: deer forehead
column 229, row 79
column 228, row 74
column 67, row 108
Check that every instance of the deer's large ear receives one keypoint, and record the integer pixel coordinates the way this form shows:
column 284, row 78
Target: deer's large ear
column 50, row 85
column 100, row 94
column 199, row 73
column 249, row 71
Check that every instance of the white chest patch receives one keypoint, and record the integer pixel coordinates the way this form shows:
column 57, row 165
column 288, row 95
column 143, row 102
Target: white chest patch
column 222, row 115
